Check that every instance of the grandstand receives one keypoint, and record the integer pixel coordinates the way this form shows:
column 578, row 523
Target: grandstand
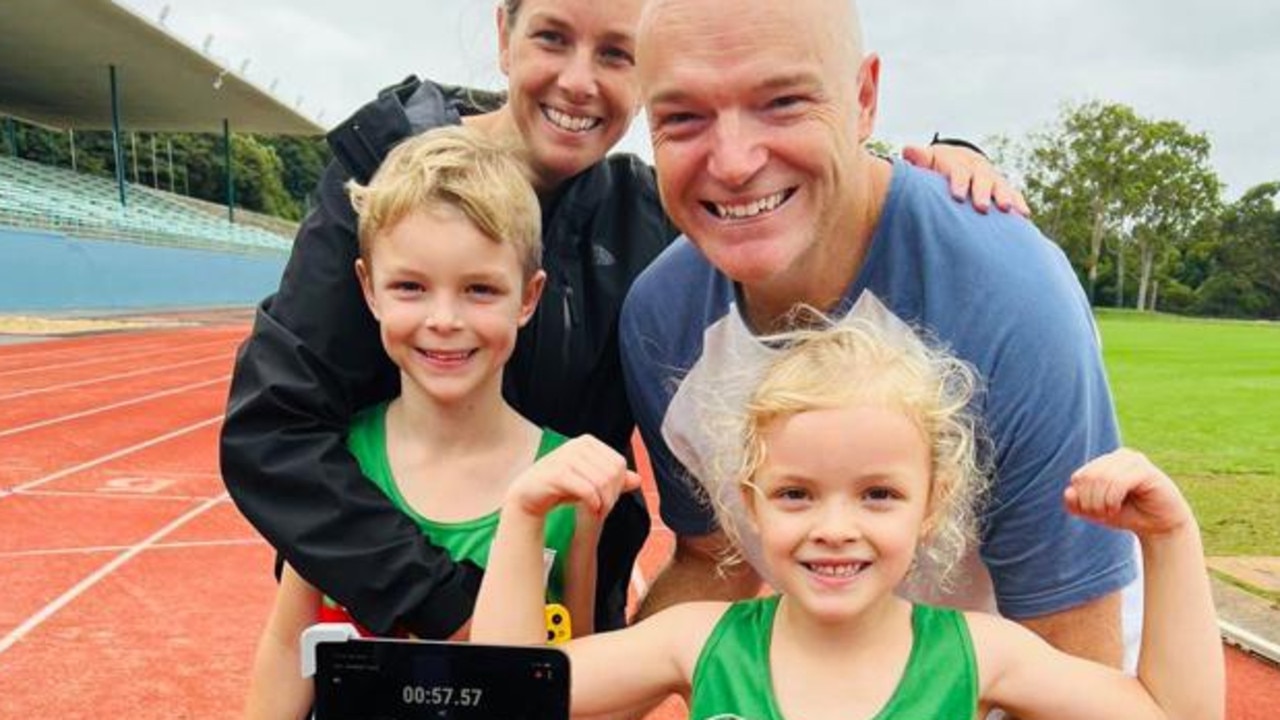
column 77, row 241
column 50, row 198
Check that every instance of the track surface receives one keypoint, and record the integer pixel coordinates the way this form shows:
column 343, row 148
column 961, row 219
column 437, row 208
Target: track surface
column 129, row 585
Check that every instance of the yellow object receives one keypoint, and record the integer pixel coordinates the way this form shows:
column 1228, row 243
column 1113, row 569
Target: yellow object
column 559, row 628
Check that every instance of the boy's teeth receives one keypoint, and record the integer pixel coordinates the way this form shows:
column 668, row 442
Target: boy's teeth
column 448, row 356
column 752, row 208
column 569, row 122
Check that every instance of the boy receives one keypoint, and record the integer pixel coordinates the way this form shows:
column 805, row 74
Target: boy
column 450, row 267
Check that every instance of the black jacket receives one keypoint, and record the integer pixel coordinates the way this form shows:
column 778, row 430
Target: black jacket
column 314, row 358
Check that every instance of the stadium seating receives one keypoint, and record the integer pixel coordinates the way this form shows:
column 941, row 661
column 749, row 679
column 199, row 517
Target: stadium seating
column 53, row 198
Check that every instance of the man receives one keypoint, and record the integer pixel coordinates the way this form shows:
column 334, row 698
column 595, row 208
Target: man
column 758, row 127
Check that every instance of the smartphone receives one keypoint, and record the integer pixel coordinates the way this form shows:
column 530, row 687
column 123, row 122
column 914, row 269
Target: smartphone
column 375, row 679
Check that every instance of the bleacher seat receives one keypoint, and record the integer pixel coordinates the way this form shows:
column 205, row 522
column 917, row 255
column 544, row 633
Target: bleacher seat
column 52, row 198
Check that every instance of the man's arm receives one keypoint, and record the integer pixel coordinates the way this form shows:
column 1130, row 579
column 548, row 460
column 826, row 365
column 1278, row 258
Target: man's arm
column 313, row 359
column 655, row 352
column 1092, row 631
column 695, row 573
column 1049, row 410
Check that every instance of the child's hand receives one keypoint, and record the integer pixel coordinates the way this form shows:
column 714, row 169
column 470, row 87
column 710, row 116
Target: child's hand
column 1123, row 489
column 583, row 470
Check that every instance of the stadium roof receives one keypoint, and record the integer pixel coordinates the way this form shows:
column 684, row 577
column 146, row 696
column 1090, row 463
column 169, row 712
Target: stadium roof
column 55, row 57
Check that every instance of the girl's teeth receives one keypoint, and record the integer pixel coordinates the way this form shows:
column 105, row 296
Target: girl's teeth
column 836, row 570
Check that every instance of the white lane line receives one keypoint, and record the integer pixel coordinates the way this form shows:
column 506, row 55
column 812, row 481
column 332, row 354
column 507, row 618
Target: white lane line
column 56, row 350
column 79, row 589
column 1249, row 641
column 150, row 370
column 111, row 358
column 95, row 549
column 102, row 495
column 112, row 456
column 112, row 406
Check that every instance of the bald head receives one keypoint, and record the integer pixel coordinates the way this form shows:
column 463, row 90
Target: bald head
column 832, row 27
column 758, row 111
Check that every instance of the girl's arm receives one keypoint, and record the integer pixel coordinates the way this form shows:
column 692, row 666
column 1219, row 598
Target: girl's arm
column 638, row 666
column 584, row 470
column 278, row 691
column 658, row 654
column 1180, row 669
column 580, row 575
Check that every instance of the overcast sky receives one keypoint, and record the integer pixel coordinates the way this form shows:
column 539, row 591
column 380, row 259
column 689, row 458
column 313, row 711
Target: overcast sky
column 974, row 69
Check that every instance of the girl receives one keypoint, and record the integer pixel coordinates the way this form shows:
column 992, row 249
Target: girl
column 314, row 360
column 852, row 456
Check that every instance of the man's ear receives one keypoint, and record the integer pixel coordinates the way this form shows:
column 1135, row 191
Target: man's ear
column 504, row 39
column 532, row 294
column 366, row 287
column 868, row 95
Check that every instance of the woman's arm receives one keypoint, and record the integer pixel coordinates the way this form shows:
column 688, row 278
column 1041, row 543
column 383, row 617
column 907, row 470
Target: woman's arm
column 1180, row 669
column 970, row 173
column 277, row 690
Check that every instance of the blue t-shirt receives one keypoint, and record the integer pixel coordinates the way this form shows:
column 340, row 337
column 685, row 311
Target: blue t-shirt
column 999, row 295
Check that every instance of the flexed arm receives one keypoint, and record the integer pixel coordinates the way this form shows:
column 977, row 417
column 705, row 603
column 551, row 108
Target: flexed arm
column 583, row 471
column 1181, row 662
column 660, row 652
column 1180, row 669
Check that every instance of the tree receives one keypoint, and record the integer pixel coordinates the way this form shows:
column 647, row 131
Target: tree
column 272, row 175
column 1079, row 174
column 303, row 160
column 1174, row 194
column 1245, row 265
column 1104, row 175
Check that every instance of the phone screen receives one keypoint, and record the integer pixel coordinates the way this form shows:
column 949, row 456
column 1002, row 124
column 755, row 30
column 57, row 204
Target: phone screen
column 406, row 680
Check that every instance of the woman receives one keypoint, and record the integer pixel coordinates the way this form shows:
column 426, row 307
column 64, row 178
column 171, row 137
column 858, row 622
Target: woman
column 314, row 356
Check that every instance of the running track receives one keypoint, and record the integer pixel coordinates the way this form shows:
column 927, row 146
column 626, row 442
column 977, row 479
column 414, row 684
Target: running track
column 129, row 585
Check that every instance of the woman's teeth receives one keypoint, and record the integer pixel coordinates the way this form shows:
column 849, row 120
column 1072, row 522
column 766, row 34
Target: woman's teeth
column 572, row 123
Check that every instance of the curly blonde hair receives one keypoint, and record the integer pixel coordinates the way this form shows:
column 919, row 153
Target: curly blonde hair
column 457, row 167
column 831, row 364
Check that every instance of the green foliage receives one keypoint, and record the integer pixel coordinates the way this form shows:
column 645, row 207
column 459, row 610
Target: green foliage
column 1136, row 206
column 1081, row 176
column 1202, row 398
column 272, row 175
column 303, row 161
column 1249, row 253
column 881, row 148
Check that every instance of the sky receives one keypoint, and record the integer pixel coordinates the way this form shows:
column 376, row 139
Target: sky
column 973, row 69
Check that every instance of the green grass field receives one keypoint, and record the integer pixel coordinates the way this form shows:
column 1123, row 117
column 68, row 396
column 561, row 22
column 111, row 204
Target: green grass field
column 1202, row 399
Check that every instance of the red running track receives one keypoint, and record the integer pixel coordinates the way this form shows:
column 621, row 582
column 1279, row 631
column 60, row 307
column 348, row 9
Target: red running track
column 129, row 585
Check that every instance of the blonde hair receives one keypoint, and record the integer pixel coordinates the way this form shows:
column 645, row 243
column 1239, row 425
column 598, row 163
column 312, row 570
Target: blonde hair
column 856, row 360
column 456, row 167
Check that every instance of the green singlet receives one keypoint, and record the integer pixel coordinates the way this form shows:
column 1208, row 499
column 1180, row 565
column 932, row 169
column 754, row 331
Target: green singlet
column 732, row 680
column 468, row 539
